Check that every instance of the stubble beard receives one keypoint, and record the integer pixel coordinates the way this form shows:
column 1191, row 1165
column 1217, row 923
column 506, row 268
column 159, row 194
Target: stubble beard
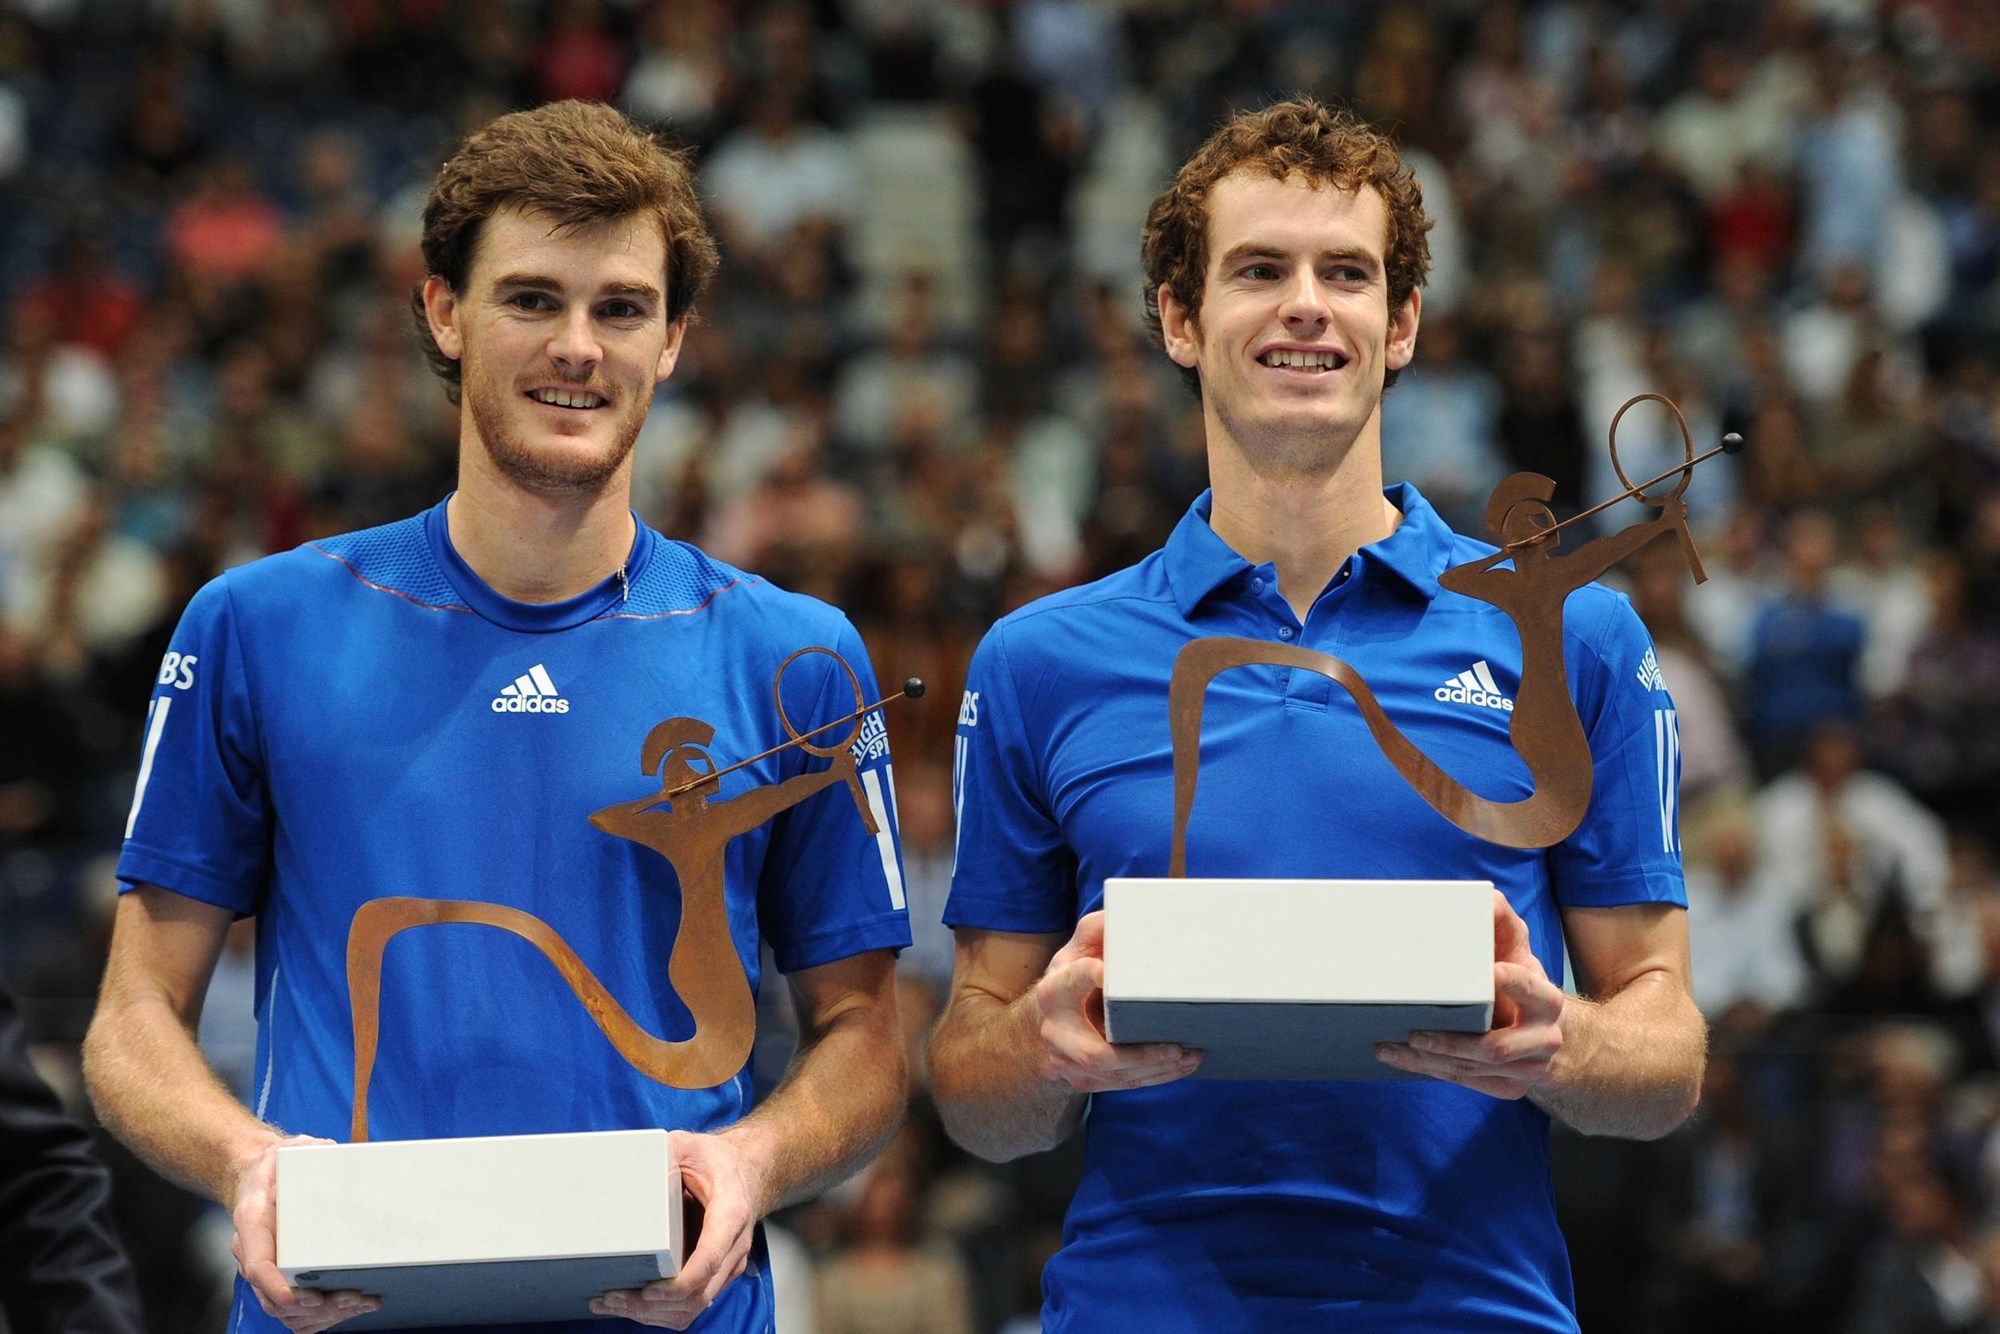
column 555, row 473
column 1300, row 448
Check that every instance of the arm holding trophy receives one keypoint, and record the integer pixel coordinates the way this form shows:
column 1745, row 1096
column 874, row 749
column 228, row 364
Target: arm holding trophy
column 153, row 1088
column 1625, row 1058
column 1021, row 1044
column 840, row 1100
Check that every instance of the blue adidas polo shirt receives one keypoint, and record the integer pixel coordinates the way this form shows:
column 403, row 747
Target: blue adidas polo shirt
column 364, row 717
column 1217, row 1206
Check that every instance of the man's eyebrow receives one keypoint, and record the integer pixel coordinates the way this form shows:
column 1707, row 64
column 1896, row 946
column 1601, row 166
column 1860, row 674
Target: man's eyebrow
column 535, row 282
column 1252, row 250
column 1247, row 250
column 645, row 291
column 531, row 281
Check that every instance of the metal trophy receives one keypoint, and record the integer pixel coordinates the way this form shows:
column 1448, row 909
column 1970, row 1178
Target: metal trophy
column 1164, row 936
column 531, row 1227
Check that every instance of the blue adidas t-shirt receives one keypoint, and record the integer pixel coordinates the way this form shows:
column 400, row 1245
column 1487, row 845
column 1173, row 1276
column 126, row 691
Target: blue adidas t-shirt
column 363, row 718
column 1213, row 1206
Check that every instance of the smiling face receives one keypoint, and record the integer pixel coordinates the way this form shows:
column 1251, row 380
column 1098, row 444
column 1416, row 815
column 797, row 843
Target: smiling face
column 1294, row 334
column 561, row 336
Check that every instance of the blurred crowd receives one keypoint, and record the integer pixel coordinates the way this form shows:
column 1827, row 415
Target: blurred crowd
column 921, row 390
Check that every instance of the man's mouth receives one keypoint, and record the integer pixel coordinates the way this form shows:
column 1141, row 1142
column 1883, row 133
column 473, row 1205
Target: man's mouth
column 1296, row 359
column 568, row 398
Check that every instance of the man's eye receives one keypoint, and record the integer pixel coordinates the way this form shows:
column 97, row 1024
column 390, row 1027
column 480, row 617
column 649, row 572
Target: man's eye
column 622, row 310
column 531, row 301
column 1261, row 272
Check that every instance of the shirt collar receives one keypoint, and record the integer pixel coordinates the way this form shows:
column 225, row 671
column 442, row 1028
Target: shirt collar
column 533, row 617
column 1198, row 562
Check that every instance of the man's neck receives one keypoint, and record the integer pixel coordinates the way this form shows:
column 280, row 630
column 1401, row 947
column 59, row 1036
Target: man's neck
column 1305, row 524
column 535, row 548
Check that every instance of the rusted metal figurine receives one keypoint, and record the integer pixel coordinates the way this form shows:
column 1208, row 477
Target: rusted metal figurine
column 1529, row 579
column 684, row 823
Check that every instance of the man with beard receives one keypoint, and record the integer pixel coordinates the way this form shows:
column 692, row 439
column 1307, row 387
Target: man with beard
column 437, row 707
column 1284, row 269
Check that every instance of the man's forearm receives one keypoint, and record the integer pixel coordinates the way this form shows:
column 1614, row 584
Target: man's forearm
column 1630, row 1066
column 153, row 1089
column 839, row 1103
column 986, row 1073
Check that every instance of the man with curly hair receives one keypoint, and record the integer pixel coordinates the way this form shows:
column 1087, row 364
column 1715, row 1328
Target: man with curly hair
column 438, row 708
column 1284, row 269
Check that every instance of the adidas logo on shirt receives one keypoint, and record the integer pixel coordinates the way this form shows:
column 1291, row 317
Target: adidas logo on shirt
column 532, row 692
column 1474, row 685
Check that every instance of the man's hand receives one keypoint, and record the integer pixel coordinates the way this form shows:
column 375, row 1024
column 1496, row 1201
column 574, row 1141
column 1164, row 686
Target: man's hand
column 1070, row 997
column 255, row 1246
column 725, row 1188
column 1513, row 1059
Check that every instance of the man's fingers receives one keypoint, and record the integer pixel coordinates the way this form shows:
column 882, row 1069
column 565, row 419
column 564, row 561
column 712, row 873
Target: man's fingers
column 1088, row 938
column 726, row 1274
column 1070, row 996
column 1137, row 1076
column 1501, row 1047
column 255, row 1246
column 277, row 1295
column 1087, row 1062
column 1082, row 1054
column 324, row 1318
column 1500, row 1081
column 651, row 1305
column 1068, row 987
column 1537, row 999
column 1511, row 941
column 350, row 1303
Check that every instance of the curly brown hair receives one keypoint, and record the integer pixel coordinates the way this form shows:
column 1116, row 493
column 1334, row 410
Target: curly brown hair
column 1301, row 137
column 578, row 163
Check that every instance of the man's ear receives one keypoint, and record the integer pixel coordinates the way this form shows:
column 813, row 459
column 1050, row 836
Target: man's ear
column 441, row 308
column 671, row 353
column 1177, row 328
column 1402, row 345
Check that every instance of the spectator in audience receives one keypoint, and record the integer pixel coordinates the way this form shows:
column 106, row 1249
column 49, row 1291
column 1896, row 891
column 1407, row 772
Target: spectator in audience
column 1880, row 579
column 1804, row 652
column 884, row 1279
column 1942, row 723
column 1831, row 812
column 1440, row 428
column 1742, row 940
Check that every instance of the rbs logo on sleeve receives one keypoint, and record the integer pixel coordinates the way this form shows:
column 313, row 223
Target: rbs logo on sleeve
column 968, row 709
column 177, row 670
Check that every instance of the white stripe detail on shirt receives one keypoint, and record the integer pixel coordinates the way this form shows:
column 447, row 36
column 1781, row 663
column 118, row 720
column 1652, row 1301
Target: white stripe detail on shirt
column 156, row 723
column 885, row 838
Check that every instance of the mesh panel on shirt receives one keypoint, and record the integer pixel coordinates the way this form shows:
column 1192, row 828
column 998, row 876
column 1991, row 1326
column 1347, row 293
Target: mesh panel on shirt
column 397, row 557
column 677, row 578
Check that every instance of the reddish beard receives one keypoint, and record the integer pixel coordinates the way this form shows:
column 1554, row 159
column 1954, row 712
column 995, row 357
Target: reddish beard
column 554, row 472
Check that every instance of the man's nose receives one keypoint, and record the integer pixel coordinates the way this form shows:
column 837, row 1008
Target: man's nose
column 1305, row 300
column 574, row 346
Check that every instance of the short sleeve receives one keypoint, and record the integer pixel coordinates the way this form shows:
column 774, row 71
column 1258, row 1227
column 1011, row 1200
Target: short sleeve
column 200, row 823
column 1012, row 870
column 1627, row 850
column 829, row 888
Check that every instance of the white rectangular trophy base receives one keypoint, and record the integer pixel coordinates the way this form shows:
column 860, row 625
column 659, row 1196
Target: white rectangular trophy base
column 1295, row 979
column 492, row 1230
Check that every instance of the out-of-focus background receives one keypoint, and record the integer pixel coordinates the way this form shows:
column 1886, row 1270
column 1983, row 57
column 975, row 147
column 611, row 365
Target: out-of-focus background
column 921, row 391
